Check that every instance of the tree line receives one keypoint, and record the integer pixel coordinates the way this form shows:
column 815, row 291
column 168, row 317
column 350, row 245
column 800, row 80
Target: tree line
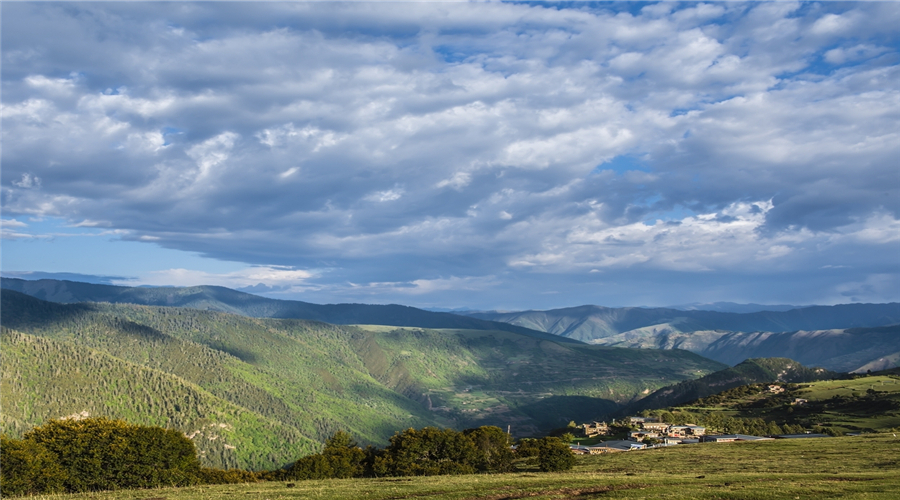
column 92, row 454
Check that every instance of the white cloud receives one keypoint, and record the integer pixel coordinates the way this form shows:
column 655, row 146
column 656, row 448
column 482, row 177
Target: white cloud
column 278, row 277
column 212, row 152
column 382, row 196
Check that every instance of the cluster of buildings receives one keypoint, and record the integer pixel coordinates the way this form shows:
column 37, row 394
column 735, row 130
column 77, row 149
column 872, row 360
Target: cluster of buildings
column 650, row 428
column 663, row 434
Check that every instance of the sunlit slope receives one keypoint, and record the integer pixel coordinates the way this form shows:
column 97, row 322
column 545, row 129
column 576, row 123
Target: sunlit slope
column 217, row 298
column 751, row 371
column 868, row 403
column 303, row 375
column 44, row 379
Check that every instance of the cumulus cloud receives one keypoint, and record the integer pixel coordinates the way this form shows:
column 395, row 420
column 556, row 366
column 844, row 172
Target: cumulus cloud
column 270, row 277
column 448, row 143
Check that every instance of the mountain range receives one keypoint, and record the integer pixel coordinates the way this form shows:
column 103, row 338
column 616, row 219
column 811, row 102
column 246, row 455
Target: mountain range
column 847, row 337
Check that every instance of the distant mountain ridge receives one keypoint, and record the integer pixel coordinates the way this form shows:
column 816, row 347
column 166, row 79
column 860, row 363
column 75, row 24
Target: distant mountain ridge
column 733, row 307
column 590, row 323
column 217, row 298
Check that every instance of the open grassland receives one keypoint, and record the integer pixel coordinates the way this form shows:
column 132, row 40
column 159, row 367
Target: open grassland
column 864, row 404
column 848, row 468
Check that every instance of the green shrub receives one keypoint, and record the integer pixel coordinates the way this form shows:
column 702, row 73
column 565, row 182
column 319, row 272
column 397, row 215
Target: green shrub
column 230, row 476
column 27, row 468
column 554, row 455
column 103, row 454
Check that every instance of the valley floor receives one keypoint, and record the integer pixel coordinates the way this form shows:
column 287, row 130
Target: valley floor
column 848, row 468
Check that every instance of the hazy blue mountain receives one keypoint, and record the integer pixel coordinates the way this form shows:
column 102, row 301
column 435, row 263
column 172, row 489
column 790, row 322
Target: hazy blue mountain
column 733, row 307
column 216, row 298
column 590, row 323
column 845, row 350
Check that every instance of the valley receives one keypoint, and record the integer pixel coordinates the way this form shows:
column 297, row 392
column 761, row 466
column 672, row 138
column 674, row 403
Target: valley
column 259, row 393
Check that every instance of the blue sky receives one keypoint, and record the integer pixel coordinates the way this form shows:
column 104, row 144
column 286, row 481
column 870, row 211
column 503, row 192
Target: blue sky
column 481, row 155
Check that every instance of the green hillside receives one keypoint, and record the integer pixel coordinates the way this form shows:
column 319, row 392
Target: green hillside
column 751, row 371
column 868, row 403
column 45, row 379
column 280, row 386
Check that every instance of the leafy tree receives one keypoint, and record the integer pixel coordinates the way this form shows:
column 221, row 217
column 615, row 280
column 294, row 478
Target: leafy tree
column 427, row 452
column 554, row 455
column 344, row 455
column 27, row 468
column 341, row 458
column 492, row 444
column 528, row 447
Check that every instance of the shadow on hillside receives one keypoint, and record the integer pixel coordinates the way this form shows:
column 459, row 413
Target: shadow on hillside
column 23, row 312
column 557, row 411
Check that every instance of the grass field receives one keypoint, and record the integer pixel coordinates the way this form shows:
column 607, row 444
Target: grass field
column 848, row 468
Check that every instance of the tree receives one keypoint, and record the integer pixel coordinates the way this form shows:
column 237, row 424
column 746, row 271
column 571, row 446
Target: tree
column 493, row 447
column 554, row 455
column 344, row 456
column 341, row 458
column 427, row 452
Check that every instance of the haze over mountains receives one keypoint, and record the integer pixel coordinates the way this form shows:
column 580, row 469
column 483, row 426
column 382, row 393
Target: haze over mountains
column 847, row 337
column 217, row 298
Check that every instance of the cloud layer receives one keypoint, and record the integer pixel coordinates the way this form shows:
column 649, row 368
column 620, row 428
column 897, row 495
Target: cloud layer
column 481, row 154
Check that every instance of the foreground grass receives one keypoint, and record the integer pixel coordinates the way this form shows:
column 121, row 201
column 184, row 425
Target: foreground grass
column 848, row 468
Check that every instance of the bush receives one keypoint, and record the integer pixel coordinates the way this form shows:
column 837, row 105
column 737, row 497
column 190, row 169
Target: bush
column 341, row 458
column 554, row 455
column 229, row 476
column 102, row 454
column 27, row 468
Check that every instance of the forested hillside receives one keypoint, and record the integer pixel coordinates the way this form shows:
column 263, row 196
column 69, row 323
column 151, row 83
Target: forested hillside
column 256, row 393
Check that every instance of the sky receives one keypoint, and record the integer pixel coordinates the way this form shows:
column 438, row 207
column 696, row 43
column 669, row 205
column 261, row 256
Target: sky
column 457, row 155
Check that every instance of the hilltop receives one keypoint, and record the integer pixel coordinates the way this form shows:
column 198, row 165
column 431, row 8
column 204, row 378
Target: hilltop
column 751, row 371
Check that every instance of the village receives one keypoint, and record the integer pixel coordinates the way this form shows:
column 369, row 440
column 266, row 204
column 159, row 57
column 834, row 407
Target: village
column 652, row 433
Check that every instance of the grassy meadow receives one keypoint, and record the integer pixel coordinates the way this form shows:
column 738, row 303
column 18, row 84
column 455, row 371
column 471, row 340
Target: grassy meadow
column 846, row 467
